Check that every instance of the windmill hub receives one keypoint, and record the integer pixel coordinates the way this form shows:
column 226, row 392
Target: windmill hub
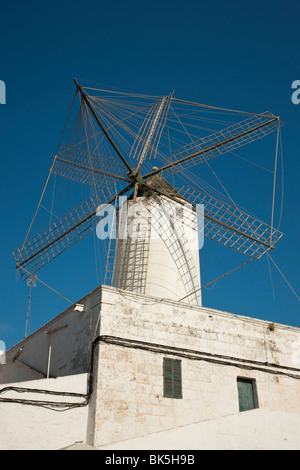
column 136, row 178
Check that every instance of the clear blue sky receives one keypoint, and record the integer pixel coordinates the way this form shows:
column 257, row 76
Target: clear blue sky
column 233, row 54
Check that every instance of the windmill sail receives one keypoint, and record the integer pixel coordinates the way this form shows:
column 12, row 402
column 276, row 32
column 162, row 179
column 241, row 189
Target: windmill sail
column 62, row 234
column 230, row 226
column 222, row 142
column 86, row 167
column 118, row 138
column 147, row 140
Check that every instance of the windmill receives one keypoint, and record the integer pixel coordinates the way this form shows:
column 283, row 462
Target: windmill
column 135, row 149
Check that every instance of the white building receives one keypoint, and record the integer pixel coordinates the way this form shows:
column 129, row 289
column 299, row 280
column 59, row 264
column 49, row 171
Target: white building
column 122, row 370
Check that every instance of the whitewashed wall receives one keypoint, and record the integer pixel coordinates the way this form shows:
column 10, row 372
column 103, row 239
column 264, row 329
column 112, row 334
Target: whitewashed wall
column 28, row 427
column 132, row 334
column 259, row 429
column 69, row 335
column 220, row 347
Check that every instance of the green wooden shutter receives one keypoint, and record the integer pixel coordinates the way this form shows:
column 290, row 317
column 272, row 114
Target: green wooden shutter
column 167, row 377
column 172, row 378
column 177, row 392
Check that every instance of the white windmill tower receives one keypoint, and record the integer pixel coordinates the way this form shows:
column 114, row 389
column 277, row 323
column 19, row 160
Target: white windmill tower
column 158, row 253
column 116, row 140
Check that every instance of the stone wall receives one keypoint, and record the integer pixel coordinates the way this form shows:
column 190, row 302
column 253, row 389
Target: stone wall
column 215, row 348
column 125, row 337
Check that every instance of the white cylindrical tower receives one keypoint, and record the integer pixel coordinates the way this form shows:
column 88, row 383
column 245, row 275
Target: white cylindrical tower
column 158, row 252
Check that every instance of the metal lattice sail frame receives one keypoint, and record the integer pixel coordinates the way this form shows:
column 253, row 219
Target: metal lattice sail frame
column 86, row 164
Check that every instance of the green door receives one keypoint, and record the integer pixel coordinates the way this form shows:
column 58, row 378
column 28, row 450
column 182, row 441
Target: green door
column 246, row 394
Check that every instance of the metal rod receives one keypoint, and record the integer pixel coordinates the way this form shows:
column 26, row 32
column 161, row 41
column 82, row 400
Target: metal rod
column 216, row 107
column 49, row 360
column 93, row 169
column 274, row 185
column 201, row 152
column 84, row 96
column 46, row 285
column 218, row 278
column 38, row 206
